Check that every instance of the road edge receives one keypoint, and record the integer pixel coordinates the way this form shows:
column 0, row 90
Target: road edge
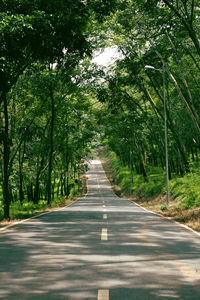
column 168, row 218
column 43, row 213
column 34, row 217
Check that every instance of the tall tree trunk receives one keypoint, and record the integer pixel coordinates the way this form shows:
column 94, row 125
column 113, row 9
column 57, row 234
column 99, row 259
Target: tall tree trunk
column 53, row 186
column 21, row 191
column 68, row 176
column 36, row 197
column 61, row 184
column 36, row 191
column 30, row 191
column 196, row 153
column 21, row 161
column 192, row 152
column 6, row 157
column 51, row 147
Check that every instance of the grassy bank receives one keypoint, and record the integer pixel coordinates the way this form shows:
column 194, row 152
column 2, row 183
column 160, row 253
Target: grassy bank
column 184, row 191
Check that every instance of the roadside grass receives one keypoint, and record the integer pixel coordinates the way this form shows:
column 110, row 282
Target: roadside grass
column 135, row 183
column 187, row 189
column 184, row 191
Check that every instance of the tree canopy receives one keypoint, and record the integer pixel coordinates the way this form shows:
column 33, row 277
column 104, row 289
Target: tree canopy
column 55, row 101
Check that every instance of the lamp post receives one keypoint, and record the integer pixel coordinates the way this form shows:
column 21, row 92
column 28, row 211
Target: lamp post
column 165, row 125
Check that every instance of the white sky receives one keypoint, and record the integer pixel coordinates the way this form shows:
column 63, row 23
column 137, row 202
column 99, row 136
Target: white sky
column 107, row 56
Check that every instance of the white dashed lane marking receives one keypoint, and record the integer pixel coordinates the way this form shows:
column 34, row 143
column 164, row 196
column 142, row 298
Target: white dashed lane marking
column 104, row 234
column 103, row 295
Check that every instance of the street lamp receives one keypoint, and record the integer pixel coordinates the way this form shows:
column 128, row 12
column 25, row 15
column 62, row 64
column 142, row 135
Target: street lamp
column 165, row 122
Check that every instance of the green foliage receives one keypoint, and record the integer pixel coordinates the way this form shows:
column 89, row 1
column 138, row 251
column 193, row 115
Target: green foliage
column 43, row 37
column 74, row 128
column 154, row 186
column 26, row 209
column 1, row 212
column 133, row 94
column 142, row 188
column 55, row 102
column 184, row 190
column 164, row 207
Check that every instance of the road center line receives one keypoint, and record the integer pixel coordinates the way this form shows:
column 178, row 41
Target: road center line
column 103, row 295
column 104, row 234
column 105, row 216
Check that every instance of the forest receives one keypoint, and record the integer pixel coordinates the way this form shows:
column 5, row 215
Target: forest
column 57, row 105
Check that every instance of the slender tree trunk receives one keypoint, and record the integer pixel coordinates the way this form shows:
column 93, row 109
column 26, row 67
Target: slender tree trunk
column 192, row 152
column 61, row 184
column 68, row 191
column 143, row 170
column 170, row 175
column 162, row 162
column 178, row 61
column 173, row 166
column 181, row 171
column 196, row 153
column 31, row 191
column 58, row 188
column 28, row 193
column 187, row 24
column 51, row 148
column 21, row 192
column 36, row 197
column 170, row 126
column 53, row 187
column 6, row 157
column 21, row 160
column 36, row 191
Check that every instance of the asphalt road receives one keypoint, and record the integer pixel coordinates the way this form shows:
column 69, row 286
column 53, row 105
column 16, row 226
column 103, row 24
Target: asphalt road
column 101, row 247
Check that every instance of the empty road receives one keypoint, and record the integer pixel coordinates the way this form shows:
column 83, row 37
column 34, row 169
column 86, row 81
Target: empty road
column 101, row 247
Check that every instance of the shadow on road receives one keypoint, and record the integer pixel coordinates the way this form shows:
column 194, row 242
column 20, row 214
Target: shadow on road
column 61, row 255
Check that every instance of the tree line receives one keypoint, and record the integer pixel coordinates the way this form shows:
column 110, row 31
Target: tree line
column 46, row 121
column 154, row 37
column 54, row 101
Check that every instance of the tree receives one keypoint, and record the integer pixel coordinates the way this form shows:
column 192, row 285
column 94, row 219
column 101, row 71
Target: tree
column 143, row 31
column 32, row 32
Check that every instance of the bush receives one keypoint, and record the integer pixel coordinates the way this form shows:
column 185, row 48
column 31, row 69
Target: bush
column 164, row 207
column 186, row 189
